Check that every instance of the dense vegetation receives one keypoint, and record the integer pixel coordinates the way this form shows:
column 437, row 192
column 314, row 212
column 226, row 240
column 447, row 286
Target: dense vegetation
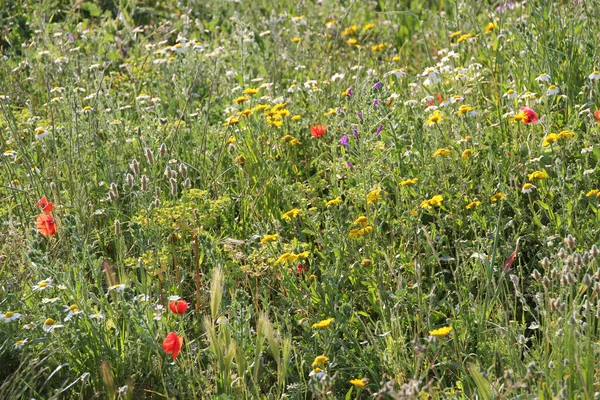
column 308, row 199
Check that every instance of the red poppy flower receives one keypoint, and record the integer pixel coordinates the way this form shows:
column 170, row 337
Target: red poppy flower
column 45, row 205
column 318, row 131
column 530, row 115
column 300, row 268
column 597, row 116
column 46, row 225
column 179, row 306
column 172, row 344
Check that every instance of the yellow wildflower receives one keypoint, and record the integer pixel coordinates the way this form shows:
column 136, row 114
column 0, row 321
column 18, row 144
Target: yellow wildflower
column 537, row 175
column 498, row 196
column 490, row 27
column 441, row 152
column 334, row 202
column 373, row 196
column 408, row 182
column 359, row 383
column 444, row 331
column 240, row 100
column 269, row 238
column 323, row 324
column 466, row 154
column 362, row 221
column 473, row 204
column 250, row 91
column 435, row 118
column 320, row 361
column 293, row 213
column 593, row 192
column 286, row 257
column 551, row 138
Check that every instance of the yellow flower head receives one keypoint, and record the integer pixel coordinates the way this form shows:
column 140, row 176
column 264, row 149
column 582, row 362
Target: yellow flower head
column 359, row 383
column 551, row 138
column 463, row 109
column 473, row 204
column 593, row 192
column 434, row 201
column 269, row 238
column 373, row 196
column 250, row 91
column 409, row 182
column 444, row 331
column 466, row 154
column 285, row 257
column 441, row 152
column 490, row 27
column 435, row 118
column 498, row 196
column 537, row 175
column 293, row 213
column 323, row 324
column 566, row 134
column 464, row 37
column 362, row 221
column 240, row 100
column 334, row 202
column 320, row 361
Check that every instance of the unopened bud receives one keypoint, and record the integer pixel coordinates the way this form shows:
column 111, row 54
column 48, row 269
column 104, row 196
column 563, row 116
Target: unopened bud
column 545, row 262
column 562, row 253
column 570, row 241
column 117, row 227
column 546, row 282
column 173, row 183
column 536, row 274
column 135, row 167
column 183, row 170
column 587, row 280
column 144, row 182
column 187, row 183
column 595, row 251
column 162, row 151
column 129, row 179
column 149, row 156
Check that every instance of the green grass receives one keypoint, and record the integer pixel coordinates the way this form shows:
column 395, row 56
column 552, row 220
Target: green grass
column 167, row 180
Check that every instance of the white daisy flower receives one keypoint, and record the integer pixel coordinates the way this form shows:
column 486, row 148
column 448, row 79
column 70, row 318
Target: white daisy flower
column 42, row 285
column 71, row 311
column 20, row 343
column 552, row 90
column 527, row 188
column 594, row 76
column 50, row 325
column 510, row 94
column 543, row 78
column 9, row 316
column 30, row 326
column 40, row 133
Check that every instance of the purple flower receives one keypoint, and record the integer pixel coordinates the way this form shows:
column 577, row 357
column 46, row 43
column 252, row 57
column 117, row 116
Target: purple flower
column 377, row 85
column 349, row 92
column 344, row 140
column 376, row 102
column 360, row 115
column 355, row 133
column 349, row 164
column 379, row 130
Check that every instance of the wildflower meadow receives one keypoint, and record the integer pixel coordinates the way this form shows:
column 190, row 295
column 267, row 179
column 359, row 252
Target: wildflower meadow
column 314, row 199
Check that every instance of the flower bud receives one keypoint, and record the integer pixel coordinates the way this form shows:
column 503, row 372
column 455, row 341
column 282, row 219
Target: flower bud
column 173, row 183
column 162, row 151
column 117, row 227
column 144, row 182
column 130, row 180
column 149, row 156
column 135, row 167
column 570, row 241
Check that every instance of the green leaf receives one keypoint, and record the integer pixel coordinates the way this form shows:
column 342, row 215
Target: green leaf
column 92, row 8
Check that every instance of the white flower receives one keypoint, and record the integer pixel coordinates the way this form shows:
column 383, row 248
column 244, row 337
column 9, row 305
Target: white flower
column 589, row 171
column 510, row 94
column 97, row 316
column 222, row 320
column 30, row 326
column 71, row 311
column 543, row 78
column 141, row 298
column 174, row 297
column 40, row 133
column 9, row 316
column 398, row 73
column 587, row 149
column 528, row 188
column 317, row 372
column 46, row 300
column 117, row 288
column 594, row 76
column 411, row 102
column 552, row 90
column 50, row 325
column 45, row 284
column 20, row 343
column 431, row 74
column 337, row 77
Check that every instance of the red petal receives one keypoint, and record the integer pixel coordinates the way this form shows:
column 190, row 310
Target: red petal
column 45, row 225
column 42, row 202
